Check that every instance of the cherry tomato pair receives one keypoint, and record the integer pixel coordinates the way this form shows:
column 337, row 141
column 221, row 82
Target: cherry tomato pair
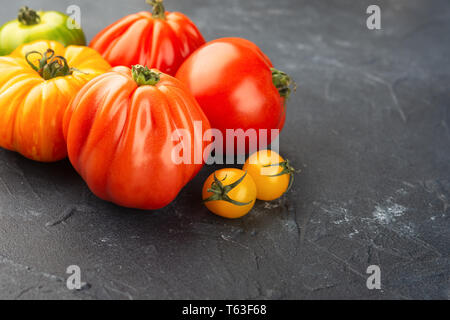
column 231, row 193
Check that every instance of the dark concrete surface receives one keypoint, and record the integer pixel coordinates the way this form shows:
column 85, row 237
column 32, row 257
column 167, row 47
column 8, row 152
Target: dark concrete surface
column 369, row 127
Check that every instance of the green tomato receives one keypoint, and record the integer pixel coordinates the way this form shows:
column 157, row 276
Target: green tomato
column 41, row 25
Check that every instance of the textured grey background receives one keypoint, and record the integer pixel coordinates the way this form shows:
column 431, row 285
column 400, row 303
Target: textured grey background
column 369, row 126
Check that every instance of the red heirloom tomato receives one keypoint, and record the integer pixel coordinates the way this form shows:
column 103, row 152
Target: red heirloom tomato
column 161, row 40
column 120, row 136
column 237, row 87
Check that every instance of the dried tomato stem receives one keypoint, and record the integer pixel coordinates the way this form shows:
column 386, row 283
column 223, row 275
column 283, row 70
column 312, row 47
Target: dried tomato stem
column 283, row 82
column 28, row 17
column 145, row 76
column 158, row 11
column 50, row 66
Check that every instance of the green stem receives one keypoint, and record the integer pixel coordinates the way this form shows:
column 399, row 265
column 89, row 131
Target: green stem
column 286, row 169
column 145, row 76
column 50, row 66
column 28, row 17
column 220, row 192
column 158, row 11
column 283, row 82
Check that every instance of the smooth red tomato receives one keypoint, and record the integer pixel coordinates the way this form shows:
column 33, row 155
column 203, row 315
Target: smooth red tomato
column 119, row 131
column 161, row 40
column 237, row 86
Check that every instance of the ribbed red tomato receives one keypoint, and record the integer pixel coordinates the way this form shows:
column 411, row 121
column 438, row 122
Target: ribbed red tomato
column 161, row 40
column 237, row 87
column 119, row 130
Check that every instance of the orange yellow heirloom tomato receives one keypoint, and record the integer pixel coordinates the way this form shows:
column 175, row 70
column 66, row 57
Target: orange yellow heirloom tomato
column 37, row 82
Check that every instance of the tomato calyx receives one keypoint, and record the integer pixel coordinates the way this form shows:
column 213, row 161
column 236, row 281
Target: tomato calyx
column 283, row 82
column 28, row 16
column 144, row 76
column 51, row 66
column 158, row 11
column 220, row 192
column 287, row 168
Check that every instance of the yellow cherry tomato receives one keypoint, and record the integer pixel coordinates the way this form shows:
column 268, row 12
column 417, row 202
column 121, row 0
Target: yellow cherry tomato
column 272, row 174
column 229, row 192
